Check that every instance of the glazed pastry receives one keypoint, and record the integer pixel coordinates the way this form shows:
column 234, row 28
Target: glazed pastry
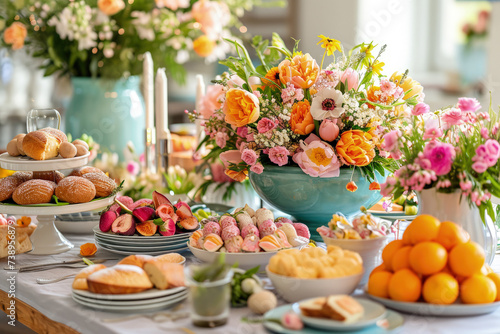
column 80, row 282
column 12, row 148
column 251, row 244
column 120, row 279
column 164, row 275
column 7, row 187
column 58, row 134
column 267, row 227
column 74, row 189
column 211, row 227
column 54, row 176
column 342, row 308
column 23, row 176
column 171, row 258
column 229, row 232
column 250, row 229
column 84, row 170
column 226, row 221
column 34, row 192
column 283, row 239
column 233, row 245
column 212, row 242
column 67, row 150
column 104, row 186
column 136, row 260
column 262, row 215
column 270, row 243
column 193, row 239
column 41, row 145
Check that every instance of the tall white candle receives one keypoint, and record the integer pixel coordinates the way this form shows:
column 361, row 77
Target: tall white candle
column 148, row 82
column 200, row 93
column 161, row 105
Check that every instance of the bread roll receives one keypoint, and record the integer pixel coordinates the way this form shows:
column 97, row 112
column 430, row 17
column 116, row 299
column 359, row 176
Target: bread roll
column 34, row 192
column 164, row 275
column 74, row 189
column 84, row 170
column 136, row 260
column 171, row 258
column 12, row 148
column 23, row 176
column 122, row 278
column 58, row 134
column 80, row 282
column 41, row 145
column 104, row 186
column 19, row 143
column 7, row 187
column 54, row 176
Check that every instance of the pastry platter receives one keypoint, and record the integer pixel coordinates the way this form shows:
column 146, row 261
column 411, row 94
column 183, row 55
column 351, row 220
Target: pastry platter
column 25, row 163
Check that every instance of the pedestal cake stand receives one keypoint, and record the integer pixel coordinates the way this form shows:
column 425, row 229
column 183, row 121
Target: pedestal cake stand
column 46, row 239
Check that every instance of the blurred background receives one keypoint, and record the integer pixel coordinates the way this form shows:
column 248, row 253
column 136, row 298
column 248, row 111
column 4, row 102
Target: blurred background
column 447, row 45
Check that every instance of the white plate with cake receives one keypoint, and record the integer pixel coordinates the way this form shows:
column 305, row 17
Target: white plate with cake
column 339, row 312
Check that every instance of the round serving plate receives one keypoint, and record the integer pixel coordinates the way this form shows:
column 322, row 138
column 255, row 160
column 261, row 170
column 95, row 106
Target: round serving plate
column 145, row 252
column 131, row 302
column 148, row 294
column 454, row 310
column 141, row 248
column 53, row 210
column 77, row 223
column 111, row 235
column 148, row 244
column 25, row 163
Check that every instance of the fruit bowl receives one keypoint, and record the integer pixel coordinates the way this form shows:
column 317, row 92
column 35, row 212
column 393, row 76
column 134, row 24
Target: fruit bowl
column 244, row 260
column 295, row 289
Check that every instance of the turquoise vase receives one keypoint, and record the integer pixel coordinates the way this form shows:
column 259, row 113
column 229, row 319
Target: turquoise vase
column 111, row 111
column 313, row 200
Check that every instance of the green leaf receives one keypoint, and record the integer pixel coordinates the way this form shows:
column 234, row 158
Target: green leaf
column 51, row 69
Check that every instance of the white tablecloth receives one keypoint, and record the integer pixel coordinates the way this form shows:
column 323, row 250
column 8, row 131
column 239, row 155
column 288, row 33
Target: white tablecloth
column 54, row 301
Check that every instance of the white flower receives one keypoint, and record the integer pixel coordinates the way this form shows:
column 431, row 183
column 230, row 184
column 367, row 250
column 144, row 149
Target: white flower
column 327, row 103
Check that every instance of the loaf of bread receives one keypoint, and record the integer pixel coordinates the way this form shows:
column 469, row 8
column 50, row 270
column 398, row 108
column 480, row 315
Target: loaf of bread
column 120, row 279
column 342, row 308
column 80, row 282
column 136, row 260
column 54, row 176
column 60, row 136
column 104, row 186
column 171, row 258
column 34, row 192
column 23, row 242
column 164, row 275
column 74, row 189
column 41, row 145
column 84, row 170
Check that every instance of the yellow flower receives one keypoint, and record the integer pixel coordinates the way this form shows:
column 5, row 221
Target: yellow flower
column 367, row 50
column 203, row 46
column 377, row 67
column 241, row 107
column 329, row 44
column 407, row 85
column 15, row 35
column 110, row 7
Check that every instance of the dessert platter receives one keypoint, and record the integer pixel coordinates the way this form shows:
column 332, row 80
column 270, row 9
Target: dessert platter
column 404, row 207
column 40, row 189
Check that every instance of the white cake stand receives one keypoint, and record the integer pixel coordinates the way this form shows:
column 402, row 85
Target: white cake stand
column 47, row 239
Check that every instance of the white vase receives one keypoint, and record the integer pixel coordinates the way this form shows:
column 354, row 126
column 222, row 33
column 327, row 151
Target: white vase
column 241, row 196
column 448, row 207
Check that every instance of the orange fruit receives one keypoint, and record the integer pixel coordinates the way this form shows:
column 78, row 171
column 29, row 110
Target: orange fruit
column 401, row 258
column 378, row 268
column 405, row 286
column 450, row 235
column 496, row 279
column 440, row 288
column 478, row 289
column 378, row 284
column 423, row 228
column 466, row 259
column 428, row 258
column 447, row 270
column 389, row 250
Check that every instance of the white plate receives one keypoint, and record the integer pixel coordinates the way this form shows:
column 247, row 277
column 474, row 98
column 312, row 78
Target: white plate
column 27, row 210
column 131, row 302
column 143, row 242
column 392, row 216
column 114, row 236
column 454, row 310
column 373, row 313
column 24, row 163
column 140, row 248
column 75, row 227
column 148, row 294
column 135, row 308
column 122, row 252
column 244, row 260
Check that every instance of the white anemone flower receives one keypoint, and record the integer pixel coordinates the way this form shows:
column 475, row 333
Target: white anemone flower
column 327, row 103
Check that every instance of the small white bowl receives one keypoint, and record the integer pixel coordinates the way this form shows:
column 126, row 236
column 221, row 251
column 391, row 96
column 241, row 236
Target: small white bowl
column 295, row 289
column 368, row 249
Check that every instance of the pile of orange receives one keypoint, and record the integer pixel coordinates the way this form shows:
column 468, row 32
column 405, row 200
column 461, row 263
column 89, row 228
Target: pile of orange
column 435, row 261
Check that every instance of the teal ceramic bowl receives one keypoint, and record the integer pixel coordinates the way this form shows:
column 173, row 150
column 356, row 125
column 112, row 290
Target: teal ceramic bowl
column 313, row 200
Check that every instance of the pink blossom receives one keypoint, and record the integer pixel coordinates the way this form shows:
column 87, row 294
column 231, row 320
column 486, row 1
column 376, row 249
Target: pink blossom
column 317, row 158
column 420, row 109
column 387, row 187
column 493, row 148
column 391, row 140
column 422, row 161
column 441, row 156
column 257, row 168
column 291, row 94
column 218, row 175
column 278, row 155
column 291, row 320
column 468, row 104
column 211, row 101
column 133, row 168
column 172, row 4
column 250, row 137
column 230, row 157
column 465, row 186
column 387, row 87
column 329, row 130
column 480, row 166
column 350, row 78
column 484, row 133
column 443, row 184
column 249, row 156
column 235, row 81
column 453, row 117
column 265, row 125
column 433, row 133
column 221, row 138
column 398, row 93
column 242, row 131
column 474, row 196
column 142, row 158
column 213, row 16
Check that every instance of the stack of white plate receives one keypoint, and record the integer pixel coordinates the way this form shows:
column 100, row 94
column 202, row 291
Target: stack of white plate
column 139, row 244
column 151, row 300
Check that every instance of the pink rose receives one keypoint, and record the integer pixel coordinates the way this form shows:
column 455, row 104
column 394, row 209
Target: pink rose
column 387, row 87
column 480, row 166
column 468, row 104
column 133, row 168
column 484, row 133
column 453, row 117
column 317, row 158
column 350, row 78
column 493, row 148
column 329, row 130
column 391, row 141
column 290, row 94
column 257, row 168
column 278, row 155
column 440, row 155
column 211, row 101
column 420, row 109
column 265, row 125
column 221, row 138
column 433, row 133
column 249, row 156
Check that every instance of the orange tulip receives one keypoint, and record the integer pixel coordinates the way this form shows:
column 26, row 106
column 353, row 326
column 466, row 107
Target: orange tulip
column 374, row 186
column 301, row 70
column 15, row 35
column 241, row 107
column 301, row 120
column 356, row 148
column 351, row 186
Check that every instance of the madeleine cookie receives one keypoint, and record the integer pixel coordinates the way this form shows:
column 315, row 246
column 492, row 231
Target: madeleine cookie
column 34, row 192
column 54, row 176
column 104, row 185
column 74, row 189
column 7, row 187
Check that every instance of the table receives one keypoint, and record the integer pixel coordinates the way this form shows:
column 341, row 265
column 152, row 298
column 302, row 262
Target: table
column 50, row 309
